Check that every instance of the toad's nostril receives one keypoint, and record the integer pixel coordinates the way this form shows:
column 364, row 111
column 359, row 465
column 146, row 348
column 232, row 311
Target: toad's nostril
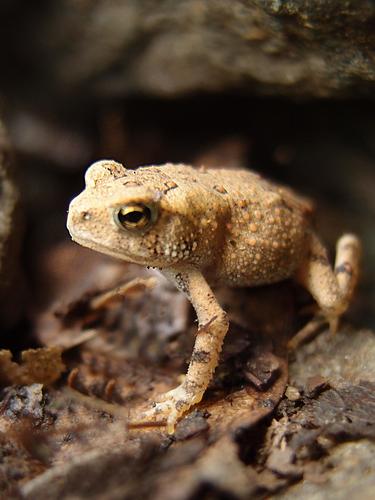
column 86, row 215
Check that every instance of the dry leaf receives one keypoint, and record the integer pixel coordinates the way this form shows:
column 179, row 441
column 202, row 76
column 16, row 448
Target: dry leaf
column 42, row 365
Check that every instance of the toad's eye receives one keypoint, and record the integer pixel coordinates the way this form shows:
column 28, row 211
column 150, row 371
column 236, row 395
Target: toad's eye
column 134, row 216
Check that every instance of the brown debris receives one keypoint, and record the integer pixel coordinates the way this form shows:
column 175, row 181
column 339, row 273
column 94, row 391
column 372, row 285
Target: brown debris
column 17, row 467
column 87, row 308
column 37, row 366
column 25, row 401
column 218, row 471
column 282, row 461
column 139, row 316
column 195, row 423
column 312, row 430
column 85, row 427
column 292, row 393
column 262, row 370
column 346, row 412
column 133, row 288
column 315, row 385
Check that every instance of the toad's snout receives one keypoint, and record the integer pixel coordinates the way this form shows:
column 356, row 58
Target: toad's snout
column 78, row 218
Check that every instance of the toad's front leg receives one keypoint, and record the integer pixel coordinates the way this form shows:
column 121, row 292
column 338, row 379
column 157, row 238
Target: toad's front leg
column 213, row 326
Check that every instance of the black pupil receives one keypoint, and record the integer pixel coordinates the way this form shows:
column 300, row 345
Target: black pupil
column 135, row 216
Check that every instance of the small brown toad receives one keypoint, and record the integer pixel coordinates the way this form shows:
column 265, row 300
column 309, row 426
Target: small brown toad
column 205, row 227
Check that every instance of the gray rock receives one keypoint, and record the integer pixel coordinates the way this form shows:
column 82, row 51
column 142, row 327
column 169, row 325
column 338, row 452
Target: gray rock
column 119, row 47
column 352, row 475
column 347, row 357
column 347, row 469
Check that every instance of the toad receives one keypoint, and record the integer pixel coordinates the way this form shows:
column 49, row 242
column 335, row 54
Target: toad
column 201, row 228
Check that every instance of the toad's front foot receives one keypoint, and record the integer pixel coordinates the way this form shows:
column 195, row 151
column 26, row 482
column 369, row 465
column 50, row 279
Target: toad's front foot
column 172, row 406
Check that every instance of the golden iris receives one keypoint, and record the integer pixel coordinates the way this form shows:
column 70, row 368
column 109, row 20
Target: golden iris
column 134, row 216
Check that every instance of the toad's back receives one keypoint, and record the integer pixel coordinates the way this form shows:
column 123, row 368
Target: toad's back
column 265, row 233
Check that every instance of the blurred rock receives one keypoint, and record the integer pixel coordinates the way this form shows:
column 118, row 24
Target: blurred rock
column 350, row 475
column 47, row 140
column 344, row 411
column 344, row 358
column 108, row 48
column 11, row 284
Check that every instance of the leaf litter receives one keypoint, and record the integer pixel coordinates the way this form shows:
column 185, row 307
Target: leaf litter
column 116, row 340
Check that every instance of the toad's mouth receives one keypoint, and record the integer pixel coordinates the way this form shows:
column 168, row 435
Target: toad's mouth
column 99, row 247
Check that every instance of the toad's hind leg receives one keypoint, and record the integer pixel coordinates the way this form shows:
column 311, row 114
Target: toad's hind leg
column 331, row 288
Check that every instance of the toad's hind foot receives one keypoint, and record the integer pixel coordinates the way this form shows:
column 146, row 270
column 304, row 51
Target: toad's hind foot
column 172, row 406
column 348, row 253
column 331, row 288
column 307, row 333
